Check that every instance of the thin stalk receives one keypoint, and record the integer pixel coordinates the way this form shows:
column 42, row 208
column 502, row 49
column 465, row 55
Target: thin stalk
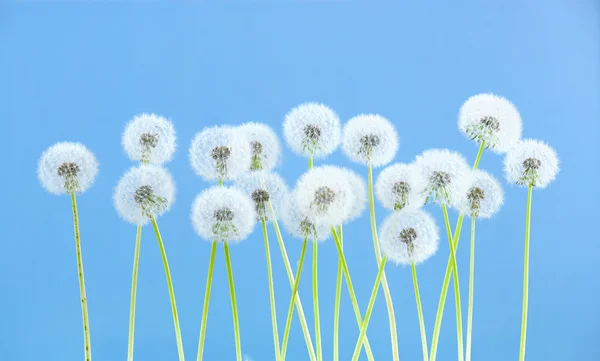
column 84, row 311
column 526, row 275
column 134, row 277
column 271, row 291
column 471, row 287
column 310, row 162
column 386, row 288
column 420, row 312
column 211, row 267
column 365, row 323
column 234, row 311
column 338, row 297
column 288, row 321
column 315, row 285
column 171, row 292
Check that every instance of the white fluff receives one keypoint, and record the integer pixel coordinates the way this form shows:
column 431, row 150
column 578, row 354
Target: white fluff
column 302, row 225
column 400, row 186
column 312, row 130
column 325, row 194
column 483, row 198
column 223, row 214
column 370, row 139
column 409, row 236
column 264, row 187
column 490, row 118
column 143, row 192
column 358, row 191
column 531, row 161
column 446, row 175
column 220, row 152
column 264, row 145
column 67, row 167
column 150, row 138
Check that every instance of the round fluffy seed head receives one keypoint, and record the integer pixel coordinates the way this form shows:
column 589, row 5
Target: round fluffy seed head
column 358, row 193
column 312, row 130
column 370, row 139
column 302, row 225
column 264, row 146
column 220, row 152
column 409, row 236
column 325, row 193
column 483, row 198
column 223, row 214
column 264, row 187
column 144, row 192
column 67, row 167
column 531, row 162
column 400, row 186
column 446, row 175
column 490, row 118
column 150, row 138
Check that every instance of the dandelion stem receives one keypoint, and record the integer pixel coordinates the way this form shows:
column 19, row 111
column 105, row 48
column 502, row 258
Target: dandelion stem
column 315, row 284
column 471, row 284
column 420, row 312
column 365, row 323
column 234, row 311
column 211, row 267
column 271, row 291
column 526, row 275
column 288, row 321
column 171, row 292
column 82, row 295
column 310, row 162
column 386, row 288
column 338, row 296
column 134, row 277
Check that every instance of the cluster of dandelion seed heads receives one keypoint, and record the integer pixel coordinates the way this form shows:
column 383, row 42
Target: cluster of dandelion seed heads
column 531, row 162
column 409, row 236
column 303, row 225
column 312, row 130
column 483, row 198
column 220, row 153
column 266, row 189
column 358, row 194
column 370, row 139
column 144, row 192
column 264, row 146
column 446, row 175
column 149, row 138
column 491, row 119
column 223, row 214
column 400, row 186
column 66, row 168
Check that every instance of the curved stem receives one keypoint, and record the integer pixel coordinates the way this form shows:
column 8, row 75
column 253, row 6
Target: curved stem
column 234, row 311
column 171, row 292
column 134, row 277
column 315, row 285
column 471, row 287
column 526, row 275
column 365, row 323
column 386, row 288
column 84, row 311
column 420, row 312
column 288, row 321
column 271, row 291
column 338, row 296
column 209, row 277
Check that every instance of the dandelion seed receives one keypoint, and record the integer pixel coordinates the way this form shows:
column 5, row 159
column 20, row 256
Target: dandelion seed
column 149, row 138
column 301, row 224
column 66, row 168
column 483, row 198
column 399, row 186
column 370, row 139
column 445, row 174
column 312, row 130
column 264, row 187
column 531, row 162
column 264, row 146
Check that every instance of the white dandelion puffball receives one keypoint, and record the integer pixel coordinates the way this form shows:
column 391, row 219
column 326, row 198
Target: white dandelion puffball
column 223, row 214
column 409, row 236
column 370, row 139
column 312, row 130
column 483, row 198
column 446, row 175
column 531, row 162
column 66, row 168
column 302, row 225
column 220, row 153
column 325, row 193
column 266, row 189
column 264, row 146
column 492, row 119
column 144, row 192
column 149, row 138
column 358, row 192
column 400, row 186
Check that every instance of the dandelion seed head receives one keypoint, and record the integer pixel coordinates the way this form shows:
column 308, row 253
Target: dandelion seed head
column 67, row 167
column 370, row 139
column 400, row 186
column 150, row 138
column 446, row 175
column 358, row 193
column 264, row 188
column 301, row 224
column 483, row 197
column 531, row 161
column 312, row 130
column 264, row 146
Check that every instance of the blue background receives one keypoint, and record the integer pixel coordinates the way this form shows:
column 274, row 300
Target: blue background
column 75, row 71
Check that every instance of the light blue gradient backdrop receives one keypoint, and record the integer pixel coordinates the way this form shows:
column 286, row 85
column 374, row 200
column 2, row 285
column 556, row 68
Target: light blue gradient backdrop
column 74, row 71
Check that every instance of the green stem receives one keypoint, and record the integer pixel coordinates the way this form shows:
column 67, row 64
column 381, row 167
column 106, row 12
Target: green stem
column 288, row 321
column 271, row 291
column 220, row 182
column 420, row 312
column 315, row 285
column 359, row 319
column 338, row 296
column 134, row 277
column 211, row 267
column 84, row 311
column 365, row 323
column 310, row 162
column 526, row 275
column 171, row 292
column 386, row 288
column 234, row 311
column 471, row 287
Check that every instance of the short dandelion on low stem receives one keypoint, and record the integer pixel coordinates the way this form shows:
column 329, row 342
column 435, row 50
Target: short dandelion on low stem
column 209, row 277
column 526, row 275
column 271, row 291
column 338, row 296
column 236, row 323
column 471, row 286
column 420, row 312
